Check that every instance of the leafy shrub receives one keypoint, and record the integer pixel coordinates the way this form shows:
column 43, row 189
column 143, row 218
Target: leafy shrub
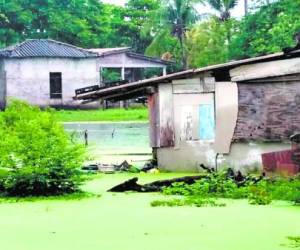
column 218, row 185
column 3, row 175
column 285, row 189
column 259, row 195
column 214, row 184
column 38, row 152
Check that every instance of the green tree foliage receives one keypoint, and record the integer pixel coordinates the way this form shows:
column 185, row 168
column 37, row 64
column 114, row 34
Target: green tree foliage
column 207, row 42
column 268, row 30
column 86, row 23
column 173, row 19
column 138, row 14
column 37, row 152
column 166, row 28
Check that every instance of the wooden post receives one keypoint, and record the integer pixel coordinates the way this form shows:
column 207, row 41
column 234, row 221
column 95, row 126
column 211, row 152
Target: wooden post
column 101, row 77
column 123, row 73
column 123, row 103
column 164, row 71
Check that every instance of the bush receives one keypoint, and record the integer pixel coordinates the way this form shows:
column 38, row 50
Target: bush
column 259, row 195
column 38, row 152
column 219, row 185
column 213, row 185
column 286, row 189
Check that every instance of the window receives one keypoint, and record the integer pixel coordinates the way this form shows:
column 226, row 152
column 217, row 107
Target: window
column 206, row 122
column 55, row 85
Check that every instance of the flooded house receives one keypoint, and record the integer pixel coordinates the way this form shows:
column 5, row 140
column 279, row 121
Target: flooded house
column 234, row 114
column 45, row 72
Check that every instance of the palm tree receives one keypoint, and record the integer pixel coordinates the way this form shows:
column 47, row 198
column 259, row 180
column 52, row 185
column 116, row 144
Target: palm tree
column 176, row 16
column 223, row 7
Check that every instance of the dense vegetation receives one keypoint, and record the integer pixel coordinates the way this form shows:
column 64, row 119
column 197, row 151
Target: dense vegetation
column 217, row 185
column 36, row 155
column 172, row 29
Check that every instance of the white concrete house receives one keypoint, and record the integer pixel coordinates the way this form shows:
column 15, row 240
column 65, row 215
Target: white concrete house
column 46, row 72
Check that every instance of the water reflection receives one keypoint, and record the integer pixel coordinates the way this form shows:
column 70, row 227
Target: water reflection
column 114, row 142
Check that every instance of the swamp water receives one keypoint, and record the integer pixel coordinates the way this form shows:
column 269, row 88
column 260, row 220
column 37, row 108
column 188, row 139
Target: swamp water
column 112, row 143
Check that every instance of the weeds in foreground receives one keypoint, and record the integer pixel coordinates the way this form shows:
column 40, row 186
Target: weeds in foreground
column 259, row 194
column 294, row 242
column 190, row 201
column 217, row 185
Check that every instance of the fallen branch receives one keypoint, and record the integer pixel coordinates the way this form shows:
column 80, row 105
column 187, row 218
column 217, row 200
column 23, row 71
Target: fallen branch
column 156, row 186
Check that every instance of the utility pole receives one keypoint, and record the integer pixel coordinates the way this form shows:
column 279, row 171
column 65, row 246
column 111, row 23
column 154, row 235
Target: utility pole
column 246, row 7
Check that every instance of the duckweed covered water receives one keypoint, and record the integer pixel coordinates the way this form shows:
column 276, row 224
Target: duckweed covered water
column 128, row 222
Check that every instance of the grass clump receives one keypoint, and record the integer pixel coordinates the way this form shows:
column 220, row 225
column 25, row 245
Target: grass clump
column 294, row 242
column 188, row 201
column 37, row 157
column 99, row 115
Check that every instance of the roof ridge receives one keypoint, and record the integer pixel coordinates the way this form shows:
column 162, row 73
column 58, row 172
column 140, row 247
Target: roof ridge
column 46, row 47
column 60, row 43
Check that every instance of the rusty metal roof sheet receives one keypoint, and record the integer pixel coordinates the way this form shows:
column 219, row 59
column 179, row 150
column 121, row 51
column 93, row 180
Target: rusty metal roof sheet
column 45, row 48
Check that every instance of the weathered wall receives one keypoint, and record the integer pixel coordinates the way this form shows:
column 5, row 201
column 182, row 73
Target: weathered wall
column 268, row 111
column 28, row 79
column 122, row 60
column 188, row 151
column 243, row 156
column 268, row 114
column 2, row 85
column 166, row 117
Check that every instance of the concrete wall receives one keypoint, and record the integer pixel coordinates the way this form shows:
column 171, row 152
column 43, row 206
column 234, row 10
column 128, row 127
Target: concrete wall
column 190, row 150
column 243, row 156
column 122, row 60
column 28, row 79
column 2, row 85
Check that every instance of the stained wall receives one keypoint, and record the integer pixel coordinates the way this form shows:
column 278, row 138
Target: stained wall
column 28, row 79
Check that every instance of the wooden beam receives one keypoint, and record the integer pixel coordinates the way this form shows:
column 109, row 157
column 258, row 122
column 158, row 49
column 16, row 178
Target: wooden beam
column 265, row 70
column 129, row 94
column 286, row 78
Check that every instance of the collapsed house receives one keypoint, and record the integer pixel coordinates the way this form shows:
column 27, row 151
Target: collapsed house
column 45, row 72
column 228, row 114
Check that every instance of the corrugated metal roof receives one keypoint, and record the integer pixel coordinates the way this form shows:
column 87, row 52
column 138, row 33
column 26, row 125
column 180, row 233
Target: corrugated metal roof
column 45, row 48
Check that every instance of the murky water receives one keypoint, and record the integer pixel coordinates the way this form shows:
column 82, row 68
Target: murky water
column 114, row 142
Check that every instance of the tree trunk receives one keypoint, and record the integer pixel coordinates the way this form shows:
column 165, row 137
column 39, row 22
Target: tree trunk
column 183, row 53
